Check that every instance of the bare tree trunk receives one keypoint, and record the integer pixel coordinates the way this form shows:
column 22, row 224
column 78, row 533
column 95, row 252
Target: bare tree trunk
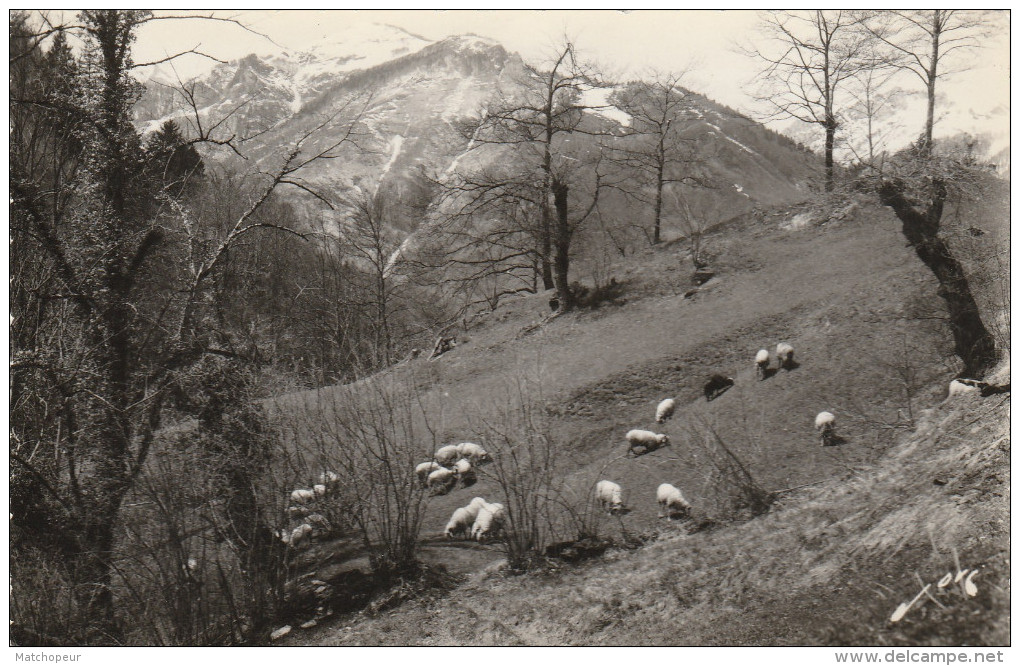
column 973, row 343
column 932, row 77
column 562, row 258
column 546, row 251
column 656, row 231
column 830, row 143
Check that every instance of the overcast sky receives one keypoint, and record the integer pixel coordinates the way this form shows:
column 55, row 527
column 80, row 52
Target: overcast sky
column 703, row 42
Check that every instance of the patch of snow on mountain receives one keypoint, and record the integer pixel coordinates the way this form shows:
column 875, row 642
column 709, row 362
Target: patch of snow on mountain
column 599, row 97
column 471, row 144
column 729, row 138
column 745, row 148
column 395, row 143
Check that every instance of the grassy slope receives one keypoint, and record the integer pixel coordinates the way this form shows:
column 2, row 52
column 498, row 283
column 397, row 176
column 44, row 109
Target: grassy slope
column 839, row 294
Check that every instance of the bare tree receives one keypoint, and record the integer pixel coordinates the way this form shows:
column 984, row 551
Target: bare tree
column 812, row 55
column 536, row 119
column 372, row 434
column 695, row 214
column 366, row 235
column 873, row 98
column 920, row 42
column 654, row 148
column 485, row 241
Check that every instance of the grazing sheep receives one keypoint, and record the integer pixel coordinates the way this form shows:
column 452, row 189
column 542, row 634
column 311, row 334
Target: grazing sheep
column 489, row 521
column 460, row 523
column 301, row 536
column 475, row 506
column 446, row 455
column 464, row 471
column 609, row 496
column 784, row 355
column 647, row 439
column 320, row 525
column 441, row 480
column 302, row 496
column 423, row 470
column 665, row 410
column 473, row 452
column 319, row 489
column 295, row 512
column 825, row 423
column 761, row 362
column 671, row 501
column 961, row 386
column 716, row 386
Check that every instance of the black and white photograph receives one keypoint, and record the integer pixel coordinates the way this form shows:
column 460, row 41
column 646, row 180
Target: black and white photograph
column 496, row 328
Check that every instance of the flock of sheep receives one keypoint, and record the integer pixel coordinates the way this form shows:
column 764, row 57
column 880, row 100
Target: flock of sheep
column 480, row 519
column 452, row 464
column 671, row 501
column 303, row 504
column 456, row 463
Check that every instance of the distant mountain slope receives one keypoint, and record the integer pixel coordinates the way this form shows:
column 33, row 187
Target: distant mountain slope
column 417, row 95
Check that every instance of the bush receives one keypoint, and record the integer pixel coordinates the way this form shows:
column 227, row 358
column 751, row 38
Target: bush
column 592, row 298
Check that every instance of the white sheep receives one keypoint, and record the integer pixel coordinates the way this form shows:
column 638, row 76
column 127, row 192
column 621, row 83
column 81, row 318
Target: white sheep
column 464, row 471
column 423, row 470
column 295, row 512
column 447, row 454
column 489, row 521
column 328, row 478
column 671, row 501
column 473, row 452
column 320, row 524
column 302, row 496
column 460, row 523
column 825, row 424
column 609, row 496
column 784, row 355
column 475, row 506
column 319, row 489
column 761, row 362
column 645, row 438
column 960, row 387
column 301, row 536
column 665, row 410
column 441, row 480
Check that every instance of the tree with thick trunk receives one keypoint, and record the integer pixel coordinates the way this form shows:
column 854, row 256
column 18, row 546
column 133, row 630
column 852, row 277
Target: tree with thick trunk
column 919, row 42
column 973, row 342
column 536, row 118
